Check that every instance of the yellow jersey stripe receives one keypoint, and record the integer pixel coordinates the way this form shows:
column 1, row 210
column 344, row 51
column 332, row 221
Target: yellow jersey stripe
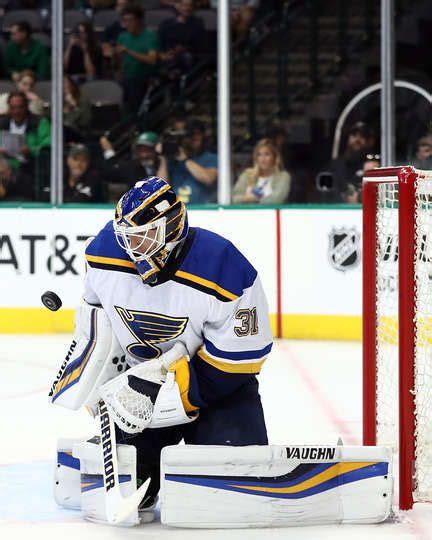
column 332, row 472
column 249, row 367
column 206, row 283
column 110, row 260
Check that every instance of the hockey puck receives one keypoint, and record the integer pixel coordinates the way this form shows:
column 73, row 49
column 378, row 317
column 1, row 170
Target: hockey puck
column 51, row 301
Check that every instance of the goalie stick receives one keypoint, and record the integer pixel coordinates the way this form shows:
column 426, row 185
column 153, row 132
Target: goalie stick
column 118, row 508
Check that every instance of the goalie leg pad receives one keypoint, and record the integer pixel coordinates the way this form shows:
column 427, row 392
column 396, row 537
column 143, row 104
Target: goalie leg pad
column 94, row 357
column 67, row 476
column 262, row 486
column 89, row 453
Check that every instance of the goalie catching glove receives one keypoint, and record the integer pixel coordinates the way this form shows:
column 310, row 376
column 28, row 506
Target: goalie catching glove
column 152, row 394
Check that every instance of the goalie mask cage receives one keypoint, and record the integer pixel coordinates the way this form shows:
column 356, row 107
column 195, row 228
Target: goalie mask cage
column 397, row 322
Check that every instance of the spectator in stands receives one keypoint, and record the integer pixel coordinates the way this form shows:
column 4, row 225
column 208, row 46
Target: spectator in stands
column 353, row 192
column 348, row 168
column 181, row 39
column 112, row 32
column 24, row 52
column 423, row 157
column 72, row 4
column 82, row 183
column 146, row 160
column 295, row 160
column 138, row 48
column 198, row 4
column 25, row 83
column 15, row 184
column 242, row 15
column 372, row 162
column 35, row 130
column 193, row 172
column 77, row 114
column 178, row 122
column 266, row 182
column 278, row 134
column 83, row 55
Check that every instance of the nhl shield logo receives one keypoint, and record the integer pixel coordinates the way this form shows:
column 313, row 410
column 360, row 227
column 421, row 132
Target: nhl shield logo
column 344, row 248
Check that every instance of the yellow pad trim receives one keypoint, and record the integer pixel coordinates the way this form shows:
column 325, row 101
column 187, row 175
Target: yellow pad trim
column 182, row 377
column 76, row 373
column 332, row 472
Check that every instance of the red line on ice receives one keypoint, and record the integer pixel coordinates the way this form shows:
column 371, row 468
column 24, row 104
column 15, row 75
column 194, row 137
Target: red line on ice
column 348, row 436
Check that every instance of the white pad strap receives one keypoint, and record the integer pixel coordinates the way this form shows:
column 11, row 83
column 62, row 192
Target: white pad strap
column 94, row 357
column 263, row 486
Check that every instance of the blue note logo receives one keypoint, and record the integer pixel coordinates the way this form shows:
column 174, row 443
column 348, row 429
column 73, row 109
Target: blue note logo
column 149, row 329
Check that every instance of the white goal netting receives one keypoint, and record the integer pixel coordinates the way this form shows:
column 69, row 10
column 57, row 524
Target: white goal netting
column 387, row 255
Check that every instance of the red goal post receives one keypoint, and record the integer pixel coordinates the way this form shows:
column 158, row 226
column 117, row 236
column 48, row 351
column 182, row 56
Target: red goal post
column 397, row 322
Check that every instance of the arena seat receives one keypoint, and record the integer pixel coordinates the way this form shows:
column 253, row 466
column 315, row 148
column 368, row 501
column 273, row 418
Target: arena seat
column 104, row 18
column 31, row 16
column 73, row 18
column 102, row 92
column 154, row 17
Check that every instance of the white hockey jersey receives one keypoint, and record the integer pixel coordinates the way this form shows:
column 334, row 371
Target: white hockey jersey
column 209, row 297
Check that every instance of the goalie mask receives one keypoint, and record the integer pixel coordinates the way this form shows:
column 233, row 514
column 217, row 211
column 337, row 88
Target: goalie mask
column 149, row 223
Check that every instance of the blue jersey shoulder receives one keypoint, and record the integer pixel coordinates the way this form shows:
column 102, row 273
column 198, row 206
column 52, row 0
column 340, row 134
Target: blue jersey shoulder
column 103, row 252
column 214, row 265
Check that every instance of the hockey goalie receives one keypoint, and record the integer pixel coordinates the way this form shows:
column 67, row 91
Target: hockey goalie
column 171, row 334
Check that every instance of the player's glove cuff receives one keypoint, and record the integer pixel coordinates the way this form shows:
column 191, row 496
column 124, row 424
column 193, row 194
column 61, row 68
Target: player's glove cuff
column 187, row 384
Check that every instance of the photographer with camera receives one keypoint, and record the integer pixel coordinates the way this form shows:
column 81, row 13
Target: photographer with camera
column 341, row 182
column 192, row 170
column 146, row 160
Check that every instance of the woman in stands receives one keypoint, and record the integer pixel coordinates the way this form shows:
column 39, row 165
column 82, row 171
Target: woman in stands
column 83, row 54
column 266, row 182
column 77, row 114
column 25, row 82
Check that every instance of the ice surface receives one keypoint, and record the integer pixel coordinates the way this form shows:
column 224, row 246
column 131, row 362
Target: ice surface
column 311, row 393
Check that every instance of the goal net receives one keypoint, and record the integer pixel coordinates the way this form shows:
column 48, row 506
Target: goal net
column 397, row 322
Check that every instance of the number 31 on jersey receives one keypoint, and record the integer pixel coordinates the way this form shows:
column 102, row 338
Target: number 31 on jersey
column 249, row 322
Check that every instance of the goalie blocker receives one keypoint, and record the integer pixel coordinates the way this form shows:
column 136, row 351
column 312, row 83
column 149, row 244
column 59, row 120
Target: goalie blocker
column 261, row 486
column 94, row 357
